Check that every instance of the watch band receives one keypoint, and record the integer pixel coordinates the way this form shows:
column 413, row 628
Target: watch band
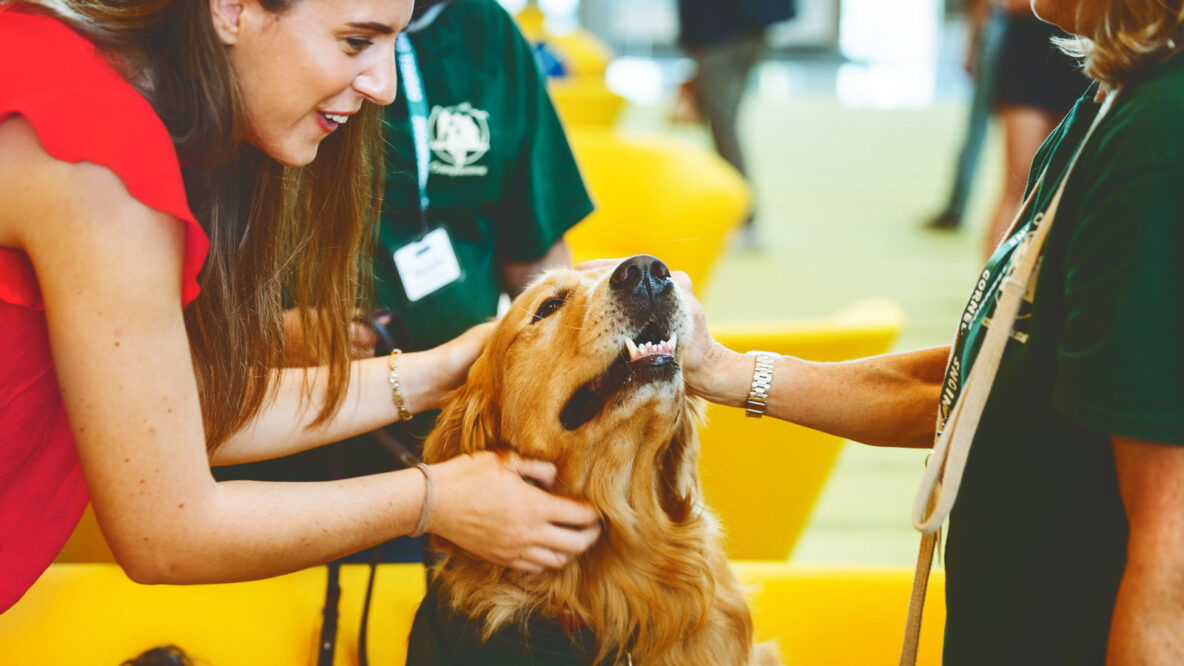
column 762, row 380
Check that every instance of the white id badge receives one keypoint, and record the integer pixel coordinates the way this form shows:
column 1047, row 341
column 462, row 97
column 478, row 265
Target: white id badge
column 427, row 264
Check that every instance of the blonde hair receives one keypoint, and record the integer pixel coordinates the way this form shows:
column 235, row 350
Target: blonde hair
column 1126, row 39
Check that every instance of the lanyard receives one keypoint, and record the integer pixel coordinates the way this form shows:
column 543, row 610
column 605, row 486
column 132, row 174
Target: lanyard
column 957, row 425
column 417, row 108
column 986, row 294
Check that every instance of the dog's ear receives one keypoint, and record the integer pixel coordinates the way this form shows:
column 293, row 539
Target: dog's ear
column 679, row 468
column 469, row 420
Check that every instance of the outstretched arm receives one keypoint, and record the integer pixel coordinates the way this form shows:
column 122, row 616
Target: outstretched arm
column 109, row 269
column 886, row 400
column 281, row 427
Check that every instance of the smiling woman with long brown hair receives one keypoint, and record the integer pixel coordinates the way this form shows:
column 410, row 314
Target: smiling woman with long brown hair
column 171, row 172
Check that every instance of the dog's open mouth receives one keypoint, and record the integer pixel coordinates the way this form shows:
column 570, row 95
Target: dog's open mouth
column 647, row 357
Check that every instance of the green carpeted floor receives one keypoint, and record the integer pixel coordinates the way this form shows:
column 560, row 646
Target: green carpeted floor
column 842, row 193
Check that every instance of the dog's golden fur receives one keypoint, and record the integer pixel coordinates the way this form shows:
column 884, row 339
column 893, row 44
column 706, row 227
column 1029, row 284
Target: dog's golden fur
column 656, row 587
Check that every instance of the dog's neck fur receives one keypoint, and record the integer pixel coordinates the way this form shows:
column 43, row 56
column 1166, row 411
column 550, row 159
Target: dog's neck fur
column 615, row 587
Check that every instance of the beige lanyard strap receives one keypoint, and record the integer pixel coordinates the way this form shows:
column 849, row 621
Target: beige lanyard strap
column 943, row 475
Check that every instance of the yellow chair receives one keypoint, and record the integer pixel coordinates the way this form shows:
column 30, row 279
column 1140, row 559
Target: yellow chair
column 580, row 96
column 582, row 53
column 87, row 543
column 585, row 101
column 659, row 196
column 762, row 477
column 680, row 202
column 92, row 614
column 840, row 616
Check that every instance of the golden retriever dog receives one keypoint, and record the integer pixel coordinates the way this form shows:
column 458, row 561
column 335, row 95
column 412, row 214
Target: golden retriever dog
column 583, row 372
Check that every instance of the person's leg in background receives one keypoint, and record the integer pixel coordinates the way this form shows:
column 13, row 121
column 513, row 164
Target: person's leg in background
column 1024, row 129
column 1035, row 86
column 722, row 76
column 978, row 120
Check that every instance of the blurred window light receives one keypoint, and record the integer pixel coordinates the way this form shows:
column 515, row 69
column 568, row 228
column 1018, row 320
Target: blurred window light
column 643, row 23
column 885, row 86
column 562, row 15
column 638, row 80
column 894, row 47
column 513, row 6
column 559, row 8
column 774, row 82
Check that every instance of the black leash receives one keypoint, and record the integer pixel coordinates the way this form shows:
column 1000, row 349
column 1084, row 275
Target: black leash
column 329, row 613
column 363, row 630
column 406, row 457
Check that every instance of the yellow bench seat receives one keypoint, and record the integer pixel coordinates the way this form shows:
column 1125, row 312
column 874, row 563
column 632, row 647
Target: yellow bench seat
column 84, row 614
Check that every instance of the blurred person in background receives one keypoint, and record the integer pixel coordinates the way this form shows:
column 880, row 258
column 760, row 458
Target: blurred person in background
column 1034, row 85
column 984, row 29
column 726, row 40
column 1066, row 543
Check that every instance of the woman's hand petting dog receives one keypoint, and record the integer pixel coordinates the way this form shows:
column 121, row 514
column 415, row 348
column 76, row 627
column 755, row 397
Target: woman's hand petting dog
column 459, row 354
column 527, row 528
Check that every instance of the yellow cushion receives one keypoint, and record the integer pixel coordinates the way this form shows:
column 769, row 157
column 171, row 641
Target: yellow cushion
column 656, row 196
column 92, row 614
column 840, row 616
column 763, row 476
column 585, row 101
column 581, row 53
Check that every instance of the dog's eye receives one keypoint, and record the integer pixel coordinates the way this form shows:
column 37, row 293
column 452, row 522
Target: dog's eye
column 548, row 308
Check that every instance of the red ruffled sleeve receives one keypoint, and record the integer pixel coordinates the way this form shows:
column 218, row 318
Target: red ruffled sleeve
column 83, row 111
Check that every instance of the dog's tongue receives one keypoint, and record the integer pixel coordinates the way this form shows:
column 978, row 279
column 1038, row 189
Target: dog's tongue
column 666, row 347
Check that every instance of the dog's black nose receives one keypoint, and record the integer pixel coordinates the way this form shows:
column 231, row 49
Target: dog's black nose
column 642, row 275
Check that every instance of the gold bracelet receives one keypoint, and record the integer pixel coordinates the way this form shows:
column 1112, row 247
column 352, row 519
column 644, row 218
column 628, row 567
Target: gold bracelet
column 392, row 362
column 425, row 512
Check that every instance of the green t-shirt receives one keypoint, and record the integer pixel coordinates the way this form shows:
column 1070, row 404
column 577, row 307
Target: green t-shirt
column 502, row 180
column 1037, row 538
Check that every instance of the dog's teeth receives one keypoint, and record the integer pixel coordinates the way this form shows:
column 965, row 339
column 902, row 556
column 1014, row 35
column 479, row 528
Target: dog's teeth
column 632, row 347
column 673, row 342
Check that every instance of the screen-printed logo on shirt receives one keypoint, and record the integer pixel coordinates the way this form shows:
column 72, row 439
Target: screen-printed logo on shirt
column 459, row 137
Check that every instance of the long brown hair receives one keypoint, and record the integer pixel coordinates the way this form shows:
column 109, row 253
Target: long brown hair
column 278, row 235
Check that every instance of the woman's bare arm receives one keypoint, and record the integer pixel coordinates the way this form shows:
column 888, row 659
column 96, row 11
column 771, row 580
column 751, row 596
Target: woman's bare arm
column 281, row 427
column 886, row 400
column 110, row 275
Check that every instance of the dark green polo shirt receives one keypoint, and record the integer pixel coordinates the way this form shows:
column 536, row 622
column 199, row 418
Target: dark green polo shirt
column 1037, row 537
column 502, row 179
